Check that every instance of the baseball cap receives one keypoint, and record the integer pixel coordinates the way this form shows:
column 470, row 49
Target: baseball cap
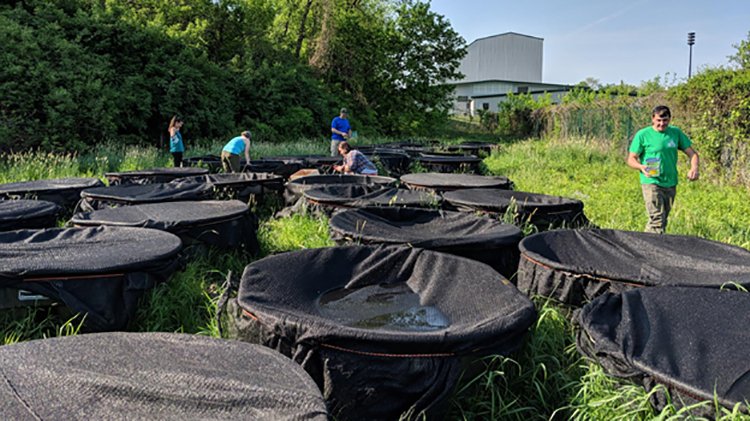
column 344, row 111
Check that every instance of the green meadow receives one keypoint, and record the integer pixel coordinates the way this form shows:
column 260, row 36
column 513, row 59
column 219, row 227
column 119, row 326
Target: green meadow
column 546, row 378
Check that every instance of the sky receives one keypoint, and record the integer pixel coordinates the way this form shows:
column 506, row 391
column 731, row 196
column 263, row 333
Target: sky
column 610, row 40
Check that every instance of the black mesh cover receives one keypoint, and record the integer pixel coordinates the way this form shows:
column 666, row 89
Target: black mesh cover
column 324, row 164
column 137, row 194
column 19, row 214
column 575, row 266
column 211, row 162
column 446, row 182
column 539, row 209
column 321, row 162
column 395, row 162
column 301, row 159
column 241, row 186
column 64, row 192
column 224, row 223
column 380, row 329
column 693, row 341
column 100, row 271
column 473, row 148
column 483, row 239
column 144, row 376
column 153, row 175
column 448, row 163
column 295, row 187
column 282, row 168
column 361, row 196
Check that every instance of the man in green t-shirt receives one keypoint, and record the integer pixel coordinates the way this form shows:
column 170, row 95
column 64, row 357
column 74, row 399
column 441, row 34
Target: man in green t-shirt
column 653, row 152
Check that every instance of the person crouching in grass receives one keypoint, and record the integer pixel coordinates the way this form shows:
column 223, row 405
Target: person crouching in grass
column 355, row 162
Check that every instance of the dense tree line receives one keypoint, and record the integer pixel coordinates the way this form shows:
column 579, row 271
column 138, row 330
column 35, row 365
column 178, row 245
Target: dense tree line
column 77, row 72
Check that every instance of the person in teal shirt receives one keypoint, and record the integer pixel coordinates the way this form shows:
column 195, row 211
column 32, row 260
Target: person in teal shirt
column 653, row 152
column 176, row 147
column 230, row 155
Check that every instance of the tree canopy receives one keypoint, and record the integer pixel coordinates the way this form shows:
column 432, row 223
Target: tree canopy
column 76, row 72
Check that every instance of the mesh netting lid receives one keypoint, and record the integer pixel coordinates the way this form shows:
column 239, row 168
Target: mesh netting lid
column 498, row 200
column 78, row 251
column 398, row 300
column 447, row 158
column 323, row 160
column 153, row 376
column 236, row 179
column 640, row 258
column 376, row 150
column 289, row 158
column 37, row 186
column 170, row 171
column 149, row 193
column 296, row 187
column 208, row 159
column 252, row 178
column 433, row 229
column 473, row 146
column 371, row 180
column 300, row 159
column 164, row 216
column 688, row 339
column 16, row 213
column 445, row 182
column 359, row 196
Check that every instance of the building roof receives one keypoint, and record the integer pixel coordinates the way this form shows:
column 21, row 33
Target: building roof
column 505, row 34
column 517, row 82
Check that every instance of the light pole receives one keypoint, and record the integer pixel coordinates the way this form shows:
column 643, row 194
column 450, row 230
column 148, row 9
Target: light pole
column 691, row 41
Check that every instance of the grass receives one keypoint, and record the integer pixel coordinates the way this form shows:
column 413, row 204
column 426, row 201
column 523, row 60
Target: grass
column 545, row 379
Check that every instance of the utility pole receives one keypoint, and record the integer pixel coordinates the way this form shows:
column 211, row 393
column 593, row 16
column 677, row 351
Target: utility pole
column 691, row 41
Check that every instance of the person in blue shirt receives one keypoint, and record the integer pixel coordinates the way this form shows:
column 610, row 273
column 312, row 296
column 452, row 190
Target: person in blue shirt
column 230, row 155
column 176, row 147
column 341, row 130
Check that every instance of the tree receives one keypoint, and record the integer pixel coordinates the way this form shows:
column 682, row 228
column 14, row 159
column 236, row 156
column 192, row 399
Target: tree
column 742, row 58
column 592, row 83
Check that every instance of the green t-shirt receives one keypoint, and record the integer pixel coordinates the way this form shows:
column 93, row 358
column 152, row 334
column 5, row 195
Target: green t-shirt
column 660, row 150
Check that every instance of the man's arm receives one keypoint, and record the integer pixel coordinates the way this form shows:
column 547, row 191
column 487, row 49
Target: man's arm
column 634, row 162
column 694, row 173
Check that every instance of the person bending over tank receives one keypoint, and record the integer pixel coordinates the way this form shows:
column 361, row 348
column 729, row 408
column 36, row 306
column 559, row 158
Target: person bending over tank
column 653, row 152
column 355, row 162
column 230, row 155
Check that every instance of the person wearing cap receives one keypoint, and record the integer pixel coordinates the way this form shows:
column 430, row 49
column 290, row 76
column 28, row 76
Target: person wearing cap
column 653, row 152
column 230, row 155
column 341, row 130
column 355, row 162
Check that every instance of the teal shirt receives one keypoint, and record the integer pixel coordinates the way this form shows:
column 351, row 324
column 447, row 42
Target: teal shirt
column 175, row 143
column 650, row 143
column 236, row 145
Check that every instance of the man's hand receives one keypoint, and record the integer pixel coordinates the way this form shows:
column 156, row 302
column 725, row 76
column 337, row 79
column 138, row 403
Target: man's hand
column 693, row 174
column 644, row 171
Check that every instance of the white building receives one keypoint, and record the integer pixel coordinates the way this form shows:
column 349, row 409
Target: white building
column 497, row 65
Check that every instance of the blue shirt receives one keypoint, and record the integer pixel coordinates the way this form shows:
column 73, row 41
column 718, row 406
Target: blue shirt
column 341, row 124
column 175, row 143
column 236, row 145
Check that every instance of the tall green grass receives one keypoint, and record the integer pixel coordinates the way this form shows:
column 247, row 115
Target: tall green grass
column 611, row 191
column 545, row 379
